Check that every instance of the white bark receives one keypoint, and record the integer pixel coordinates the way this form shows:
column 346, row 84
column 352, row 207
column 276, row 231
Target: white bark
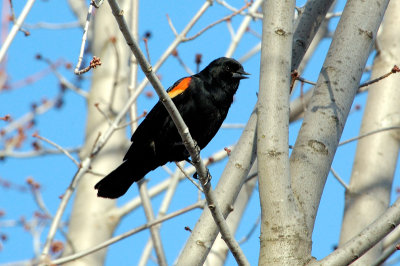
column 331, row 101
column 204, row 233
column 364, row 240
column 89, row 222
column 281, row 224
column 219, row 251
column 376, row 155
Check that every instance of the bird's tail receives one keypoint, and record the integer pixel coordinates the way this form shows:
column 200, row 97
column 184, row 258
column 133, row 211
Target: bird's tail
column 117, row 182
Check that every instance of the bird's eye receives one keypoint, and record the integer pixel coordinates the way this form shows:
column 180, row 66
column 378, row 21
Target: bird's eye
column 228, row 68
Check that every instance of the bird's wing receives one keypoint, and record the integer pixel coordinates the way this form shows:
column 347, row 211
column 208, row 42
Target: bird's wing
column 179, row 87
column 158, row 120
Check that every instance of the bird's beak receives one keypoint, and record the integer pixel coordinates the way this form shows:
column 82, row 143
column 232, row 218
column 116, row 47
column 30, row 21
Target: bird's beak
column 240, row 74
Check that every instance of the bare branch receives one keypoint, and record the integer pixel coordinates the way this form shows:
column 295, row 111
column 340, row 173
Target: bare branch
column 188, row 177
column 77, row 70
column 127, row 234
column 368, row 134
column 162, row 211
column 52, row 26
column 35, row 153
column 187, row 69
column 17, row 26
column 217, row 22
column 35, row 135
column 339, row 179
column 394, row 70
column 155, row 233
column 95, row 62
column 242, row 28
column 172, row 26
column 366, row 239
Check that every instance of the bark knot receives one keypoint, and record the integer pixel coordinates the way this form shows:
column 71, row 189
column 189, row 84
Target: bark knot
column 280, row 32
column 318, row 146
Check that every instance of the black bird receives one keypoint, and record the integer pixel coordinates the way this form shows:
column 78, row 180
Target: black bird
column 203, row 100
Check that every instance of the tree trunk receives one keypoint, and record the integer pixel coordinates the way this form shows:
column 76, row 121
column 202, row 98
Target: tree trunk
column 377, row 154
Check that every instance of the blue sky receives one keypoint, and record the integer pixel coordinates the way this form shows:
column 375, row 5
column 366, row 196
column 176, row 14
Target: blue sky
column 65, row 126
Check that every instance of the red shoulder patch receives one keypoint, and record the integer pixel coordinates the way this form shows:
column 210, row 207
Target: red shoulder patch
column 180, row 87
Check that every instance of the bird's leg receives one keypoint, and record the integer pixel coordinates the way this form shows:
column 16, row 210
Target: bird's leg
column 195, row 174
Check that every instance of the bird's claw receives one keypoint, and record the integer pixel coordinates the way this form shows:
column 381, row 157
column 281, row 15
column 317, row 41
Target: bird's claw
column 195, row 176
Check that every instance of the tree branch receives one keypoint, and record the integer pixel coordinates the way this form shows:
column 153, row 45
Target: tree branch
column 125, row 235
column 18, row 24
column 364, row 240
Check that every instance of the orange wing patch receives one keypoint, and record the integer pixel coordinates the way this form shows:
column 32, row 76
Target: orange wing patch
column 181, row 87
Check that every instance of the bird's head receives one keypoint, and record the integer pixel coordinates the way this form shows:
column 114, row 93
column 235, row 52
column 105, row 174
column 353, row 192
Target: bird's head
column 226, row 69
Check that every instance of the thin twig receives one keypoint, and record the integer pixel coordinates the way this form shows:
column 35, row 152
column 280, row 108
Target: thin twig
column 132, row 122
column 6, row 118
column 172, row 26
column 26, row 32
column 243, row 29
column 217, row 22
column 306, row 81
column 168, row 196
column 248, row 178
column 338, row 178
column 95, row 62
column 167, row 169
column 35, row 135
column 103, row 113
column 394, row 70
column 61, row 78
column 61, row 208
column 254, row 33
column 77, row 70
column 253, row 51
column 146, row 45
column 230, row 28
column 233, row 126
column 333, row 15
column 39, row 199
column 35, row 153
column 188, row 177
column 252, row 13
column 387, row 252
column 368, row 134
column 125, row 235
column 367, row 238
column 154, row 232
column 187, row 69
column 17, row 26
column 53, row 26
column 113, row 41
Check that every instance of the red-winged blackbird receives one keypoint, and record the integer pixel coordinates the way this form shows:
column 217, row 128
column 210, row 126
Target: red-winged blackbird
column 203, row 100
